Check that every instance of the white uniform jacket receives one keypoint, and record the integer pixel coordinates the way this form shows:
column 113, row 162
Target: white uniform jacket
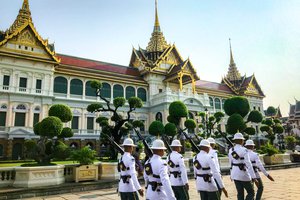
column 256, row 163
column 182, row 178
column 209, row 167
column 214, row 154
column 133, row 184
column 236, row 173
column 159, row 168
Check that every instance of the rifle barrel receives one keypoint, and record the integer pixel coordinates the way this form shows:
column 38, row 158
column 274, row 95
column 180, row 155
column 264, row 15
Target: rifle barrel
column 148, row 150
column 115, row 145
column 192, row 142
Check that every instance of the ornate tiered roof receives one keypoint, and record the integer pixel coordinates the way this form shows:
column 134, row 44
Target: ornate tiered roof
column 23, row 31
column 241, row 85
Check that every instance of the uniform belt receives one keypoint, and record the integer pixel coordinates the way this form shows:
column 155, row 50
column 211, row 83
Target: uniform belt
column 206, row 177
column 154, row 185
column 125, row 178
column 240, row 165
column 253, row 162
column 176, row 174
column 155, row 176
column 205, row 168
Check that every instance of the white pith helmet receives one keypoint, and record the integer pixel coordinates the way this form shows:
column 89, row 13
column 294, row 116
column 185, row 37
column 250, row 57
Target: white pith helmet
column 211, row 140
column 204, row 143
column 158, row 144
column 176, row 143
column 238, row 136
column 128, row 142
column 249, row 143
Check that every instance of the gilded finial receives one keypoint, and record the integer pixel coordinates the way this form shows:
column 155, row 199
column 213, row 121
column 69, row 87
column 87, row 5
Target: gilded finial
column 233, row 73
column 156, row 23
column 231, row 55
column 23, row 17
column 157, row 41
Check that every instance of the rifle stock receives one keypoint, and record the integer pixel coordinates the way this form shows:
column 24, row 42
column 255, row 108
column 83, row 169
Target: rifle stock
column 169, row 149
column 115, row 145
column 195, row 147
column 226, row 138
column 148, row 150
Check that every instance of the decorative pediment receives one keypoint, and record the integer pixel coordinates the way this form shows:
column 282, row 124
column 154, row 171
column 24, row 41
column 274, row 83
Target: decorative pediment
column 22, row 38
column 251, row 87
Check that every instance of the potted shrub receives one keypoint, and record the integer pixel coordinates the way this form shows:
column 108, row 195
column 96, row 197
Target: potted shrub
column 51, row 135
column 272, row 157
column 86, row 170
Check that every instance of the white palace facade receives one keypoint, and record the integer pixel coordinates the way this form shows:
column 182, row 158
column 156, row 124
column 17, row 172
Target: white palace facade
column 33, row 77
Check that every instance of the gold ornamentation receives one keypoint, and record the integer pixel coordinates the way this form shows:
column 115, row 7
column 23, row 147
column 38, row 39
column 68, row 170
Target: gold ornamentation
column 26, row 38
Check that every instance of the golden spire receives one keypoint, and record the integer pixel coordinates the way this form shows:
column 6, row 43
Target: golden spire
column 156, row 24
column 157, row 41
column 233, row 73
column 23, row 17
column 231, row 56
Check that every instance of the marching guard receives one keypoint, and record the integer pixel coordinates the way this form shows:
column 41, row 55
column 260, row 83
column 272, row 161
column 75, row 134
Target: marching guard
column 241, row 168
column 128, row 185
column 205, row 171
column 177, row 171
column 214, row 153
column 256, row 163
column 156, row 176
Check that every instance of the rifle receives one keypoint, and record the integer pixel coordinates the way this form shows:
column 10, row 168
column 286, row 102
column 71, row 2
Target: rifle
column 169, row 149
column 197, row 137
column 148, row 150
column 114, row 144
column 226, row 138
column 195, row 147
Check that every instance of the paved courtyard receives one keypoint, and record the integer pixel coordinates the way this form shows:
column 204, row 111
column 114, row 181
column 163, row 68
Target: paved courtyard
column 285, row 187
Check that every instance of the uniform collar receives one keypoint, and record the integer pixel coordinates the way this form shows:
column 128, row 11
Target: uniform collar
column 202, row 152
column 156, row 156
column 126, row 153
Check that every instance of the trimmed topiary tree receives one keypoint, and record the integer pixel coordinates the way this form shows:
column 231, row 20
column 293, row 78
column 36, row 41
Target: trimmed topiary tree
column 210, row 123
column 177, row 112
column 121, row 124
column 238, row 108
column 271, row 125
column 51, row 130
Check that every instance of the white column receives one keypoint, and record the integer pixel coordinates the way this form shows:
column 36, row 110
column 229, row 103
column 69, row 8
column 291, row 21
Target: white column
column 83, row 91
column 68, row 87
column 30, row 116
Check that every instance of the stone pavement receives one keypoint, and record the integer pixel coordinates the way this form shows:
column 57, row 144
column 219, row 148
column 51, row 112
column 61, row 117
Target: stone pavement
column 285, row 187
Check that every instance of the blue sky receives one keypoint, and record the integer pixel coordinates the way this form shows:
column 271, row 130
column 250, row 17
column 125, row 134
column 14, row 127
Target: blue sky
column 265, row 35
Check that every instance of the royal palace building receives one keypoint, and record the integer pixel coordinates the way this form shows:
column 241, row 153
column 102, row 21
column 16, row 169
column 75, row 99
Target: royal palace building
column 33, row 77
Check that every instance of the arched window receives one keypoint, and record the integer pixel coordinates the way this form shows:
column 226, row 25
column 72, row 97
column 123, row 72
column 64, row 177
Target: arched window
column 223, row 101
column 211, row 102
column 20, row 115
column 106, row 90
column 74, row 145
column 89, row 91
column 158, row 117
column 217, row 103
column 60, row 85
column 142, row 94
column 36, row 115
column 21, row 107
column 90, row 145
column 76, row 87
column 118, row 91
column 1, row 150
column 3, row 111
column 130, row 92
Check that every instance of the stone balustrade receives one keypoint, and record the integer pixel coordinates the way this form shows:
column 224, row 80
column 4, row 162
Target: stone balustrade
column 7, row 176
